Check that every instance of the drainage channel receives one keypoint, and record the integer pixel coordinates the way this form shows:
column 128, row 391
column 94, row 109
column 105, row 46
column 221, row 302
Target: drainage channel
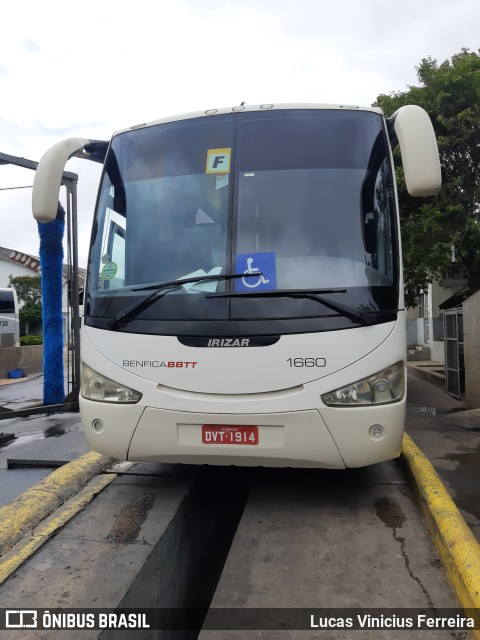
column 156, row 539
column 181, row 574
column 243, row 549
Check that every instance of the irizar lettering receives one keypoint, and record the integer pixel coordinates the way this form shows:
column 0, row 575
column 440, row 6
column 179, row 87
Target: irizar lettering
column 228, row 342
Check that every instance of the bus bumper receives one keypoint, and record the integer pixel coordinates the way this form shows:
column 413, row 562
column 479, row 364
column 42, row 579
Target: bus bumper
column 332, row 438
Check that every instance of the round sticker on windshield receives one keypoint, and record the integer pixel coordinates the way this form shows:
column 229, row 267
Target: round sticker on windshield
column 109, row 270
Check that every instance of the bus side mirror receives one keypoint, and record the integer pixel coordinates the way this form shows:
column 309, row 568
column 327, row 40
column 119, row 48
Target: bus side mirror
column 48, row 177
column 418, row 146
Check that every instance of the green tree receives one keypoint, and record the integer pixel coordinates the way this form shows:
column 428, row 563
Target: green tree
column 29, row 293
column 436, row 228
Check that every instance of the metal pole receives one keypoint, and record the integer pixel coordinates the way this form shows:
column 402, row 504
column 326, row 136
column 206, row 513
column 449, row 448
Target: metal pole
column 74, row 293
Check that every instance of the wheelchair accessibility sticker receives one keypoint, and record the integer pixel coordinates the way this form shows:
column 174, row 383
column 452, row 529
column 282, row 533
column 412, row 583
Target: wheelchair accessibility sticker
column 259, row 271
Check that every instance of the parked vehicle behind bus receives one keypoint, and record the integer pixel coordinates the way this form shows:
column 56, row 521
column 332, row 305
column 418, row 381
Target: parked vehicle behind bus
column 9, row 319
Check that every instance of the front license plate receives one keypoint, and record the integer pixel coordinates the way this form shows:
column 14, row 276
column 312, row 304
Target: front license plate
column 229, row 434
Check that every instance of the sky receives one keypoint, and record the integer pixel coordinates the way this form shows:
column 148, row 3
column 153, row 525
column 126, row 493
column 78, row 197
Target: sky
column 90, row 68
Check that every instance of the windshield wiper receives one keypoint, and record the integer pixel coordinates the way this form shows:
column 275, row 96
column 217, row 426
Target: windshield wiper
column 357, row 315
column 159, row 290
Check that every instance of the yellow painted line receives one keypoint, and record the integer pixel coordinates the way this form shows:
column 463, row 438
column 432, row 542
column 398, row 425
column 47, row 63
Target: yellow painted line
column 42, row 533
column 456, row 544
column 38, row 502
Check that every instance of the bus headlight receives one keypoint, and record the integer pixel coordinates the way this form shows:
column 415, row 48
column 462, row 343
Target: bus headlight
column 382, row 388
column 94, row 386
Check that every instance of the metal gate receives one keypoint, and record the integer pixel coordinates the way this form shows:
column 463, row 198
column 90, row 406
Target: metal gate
column 453, row 345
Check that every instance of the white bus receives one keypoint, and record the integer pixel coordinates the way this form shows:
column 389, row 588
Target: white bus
column 244, row 302
column 9, row 319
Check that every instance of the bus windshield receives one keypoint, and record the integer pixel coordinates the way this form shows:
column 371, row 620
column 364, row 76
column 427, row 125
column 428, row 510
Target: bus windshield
column 291, row 200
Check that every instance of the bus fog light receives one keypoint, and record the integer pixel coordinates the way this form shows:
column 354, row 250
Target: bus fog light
column 384, row 387
column 94, row 386
column 97, row 425
column 377, row 431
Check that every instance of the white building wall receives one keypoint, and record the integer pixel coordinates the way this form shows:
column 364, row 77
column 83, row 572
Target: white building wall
column 8, row 268
column 429, row 330
column 471, row 322
column 15, row 263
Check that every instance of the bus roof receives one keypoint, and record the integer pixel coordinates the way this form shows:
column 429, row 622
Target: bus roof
column 245, row 108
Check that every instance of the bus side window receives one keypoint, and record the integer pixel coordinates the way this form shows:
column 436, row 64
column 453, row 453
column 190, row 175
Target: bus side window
column 112, row 267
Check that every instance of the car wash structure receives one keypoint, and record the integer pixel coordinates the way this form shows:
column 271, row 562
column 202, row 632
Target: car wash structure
column 55, row 398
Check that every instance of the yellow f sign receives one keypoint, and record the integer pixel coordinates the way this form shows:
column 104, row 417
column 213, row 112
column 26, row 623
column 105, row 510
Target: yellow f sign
column 218, row 160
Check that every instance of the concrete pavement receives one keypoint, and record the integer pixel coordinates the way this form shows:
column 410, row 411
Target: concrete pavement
column 442, row 449
column 447, row 455
column 449, row 436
